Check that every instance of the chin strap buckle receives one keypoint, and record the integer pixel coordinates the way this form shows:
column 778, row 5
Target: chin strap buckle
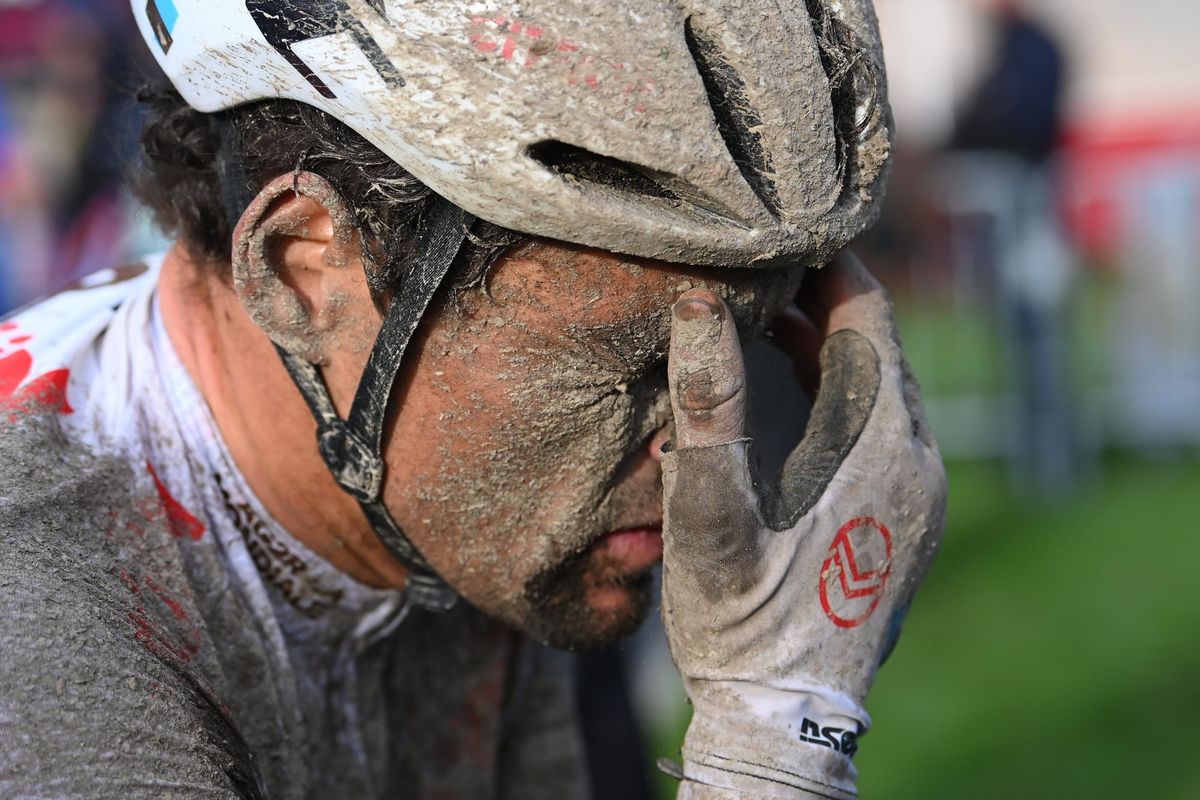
column 350, row 460
column 351, row 447
column 430, row 592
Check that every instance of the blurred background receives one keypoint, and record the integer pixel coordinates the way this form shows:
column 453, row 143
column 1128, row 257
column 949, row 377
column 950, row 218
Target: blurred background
column 1041, row 241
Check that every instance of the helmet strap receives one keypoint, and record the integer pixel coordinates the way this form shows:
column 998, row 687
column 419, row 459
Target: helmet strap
column 352, row 448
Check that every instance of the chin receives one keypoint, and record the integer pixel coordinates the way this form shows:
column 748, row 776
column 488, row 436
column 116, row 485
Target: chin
column 585, row 604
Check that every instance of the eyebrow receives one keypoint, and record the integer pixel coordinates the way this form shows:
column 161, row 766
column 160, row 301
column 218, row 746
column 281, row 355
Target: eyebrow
column 621, row 345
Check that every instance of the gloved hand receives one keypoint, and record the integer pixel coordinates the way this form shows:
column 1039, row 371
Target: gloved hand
column 780, row 604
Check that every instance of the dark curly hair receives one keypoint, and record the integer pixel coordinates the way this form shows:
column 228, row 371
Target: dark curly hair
column 178, row 181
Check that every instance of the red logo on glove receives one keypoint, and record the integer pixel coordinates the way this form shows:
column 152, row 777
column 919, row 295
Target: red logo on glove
column 856, row 571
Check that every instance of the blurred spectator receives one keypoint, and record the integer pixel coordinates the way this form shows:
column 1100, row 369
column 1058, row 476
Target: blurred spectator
column 68, row 131
column 1016, row 107
column 1000, row 193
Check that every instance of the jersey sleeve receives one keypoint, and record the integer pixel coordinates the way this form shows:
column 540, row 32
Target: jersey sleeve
column 99, row 693
column 92, row 701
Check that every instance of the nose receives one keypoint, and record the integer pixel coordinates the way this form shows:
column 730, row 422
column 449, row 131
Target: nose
column 664, row 435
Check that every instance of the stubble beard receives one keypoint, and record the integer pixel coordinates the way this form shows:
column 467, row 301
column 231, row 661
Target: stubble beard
column 561, row 615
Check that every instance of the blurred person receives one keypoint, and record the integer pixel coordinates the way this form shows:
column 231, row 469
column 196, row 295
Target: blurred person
column 1016, row 106
column 66, row 67
column 1004, row 195
column 93, row 213
column 286, row 510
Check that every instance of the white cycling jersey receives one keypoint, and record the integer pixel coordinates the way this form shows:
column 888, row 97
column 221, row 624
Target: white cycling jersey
column 164, row 635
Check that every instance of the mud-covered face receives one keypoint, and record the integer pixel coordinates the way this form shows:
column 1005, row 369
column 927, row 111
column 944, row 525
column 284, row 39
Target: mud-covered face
column 522, row 460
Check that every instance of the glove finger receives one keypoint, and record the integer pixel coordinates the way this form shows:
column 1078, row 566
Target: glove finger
column 705, row 372
column 710, row 506
column 711, row 523
column 850, row 379
column 845, row 296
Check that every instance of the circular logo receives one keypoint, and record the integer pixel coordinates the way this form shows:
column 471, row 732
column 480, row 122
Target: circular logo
column 855, row 571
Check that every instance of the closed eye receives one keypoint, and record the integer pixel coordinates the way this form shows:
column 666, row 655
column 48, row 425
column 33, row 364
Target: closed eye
column 630, row 353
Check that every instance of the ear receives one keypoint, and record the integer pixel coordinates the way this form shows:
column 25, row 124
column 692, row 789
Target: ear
column 297, row 264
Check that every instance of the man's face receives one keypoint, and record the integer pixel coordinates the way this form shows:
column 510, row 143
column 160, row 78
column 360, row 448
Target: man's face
column 523, row 461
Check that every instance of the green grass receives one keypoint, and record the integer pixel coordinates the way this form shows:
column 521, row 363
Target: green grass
column 1053, row 652
column 952, row 352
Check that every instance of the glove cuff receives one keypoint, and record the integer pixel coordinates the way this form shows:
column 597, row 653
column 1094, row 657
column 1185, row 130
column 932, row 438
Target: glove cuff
column 766, row 742
column 733, row 781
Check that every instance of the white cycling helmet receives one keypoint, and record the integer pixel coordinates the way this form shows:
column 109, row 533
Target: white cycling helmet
column 709, row 132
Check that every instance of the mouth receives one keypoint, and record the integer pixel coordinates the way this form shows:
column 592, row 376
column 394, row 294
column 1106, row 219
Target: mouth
column 632, row 549
column 601, row 592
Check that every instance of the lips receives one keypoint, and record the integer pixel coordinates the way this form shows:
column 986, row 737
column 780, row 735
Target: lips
column 633, row 548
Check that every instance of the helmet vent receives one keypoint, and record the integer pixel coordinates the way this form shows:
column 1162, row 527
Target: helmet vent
column 632, row 179
column 737, row 120
column 584, row 165
column 852, row 76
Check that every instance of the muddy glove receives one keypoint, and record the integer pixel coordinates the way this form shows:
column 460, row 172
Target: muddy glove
column 780, row 603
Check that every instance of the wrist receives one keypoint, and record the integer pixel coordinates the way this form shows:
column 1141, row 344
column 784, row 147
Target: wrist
column 763, row 741
column 750, row 788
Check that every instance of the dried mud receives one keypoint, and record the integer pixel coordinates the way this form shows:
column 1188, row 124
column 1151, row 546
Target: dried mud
column 565, row 427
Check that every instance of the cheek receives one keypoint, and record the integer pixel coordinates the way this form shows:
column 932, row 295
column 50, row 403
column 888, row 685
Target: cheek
column 519, row 462
column 461, row 493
